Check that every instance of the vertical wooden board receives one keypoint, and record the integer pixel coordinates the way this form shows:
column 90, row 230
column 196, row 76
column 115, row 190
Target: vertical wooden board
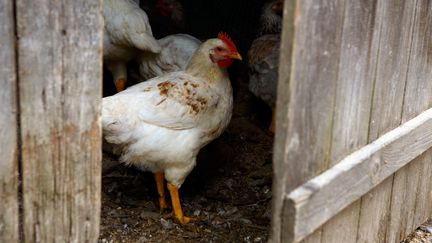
column 403, row 201
column 408, row 191
column 343, row 227
column 424, row 193
column 421, row 69
column 312, row 86
column 353, row 101
column 60, row 93
column 392, row 66
column 355, row 80
column 83, row 130
column 312, row 89
column 278, row 190
column 8, row 128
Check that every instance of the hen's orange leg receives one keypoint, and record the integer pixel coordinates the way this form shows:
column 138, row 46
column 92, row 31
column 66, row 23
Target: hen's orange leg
column 159, row 178
column 120, row 84
column 272, row 127
column 178, row 212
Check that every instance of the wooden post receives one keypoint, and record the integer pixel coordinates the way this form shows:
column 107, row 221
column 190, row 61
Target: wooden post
column 60, row 65
column 8, row 127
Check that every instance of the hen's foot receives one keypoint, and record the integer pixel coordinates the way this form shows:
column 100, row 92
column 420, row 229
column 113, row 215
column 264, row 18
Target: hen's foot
column 178, row 212
column 159, row 178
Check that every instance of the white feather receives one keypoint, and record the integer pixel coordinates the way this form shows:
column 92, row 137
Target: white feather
column 175, row 55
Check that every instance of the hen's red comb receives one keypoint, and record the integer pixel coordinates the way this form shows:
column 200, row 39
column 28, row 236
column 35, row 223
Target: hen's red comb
column 227, row 40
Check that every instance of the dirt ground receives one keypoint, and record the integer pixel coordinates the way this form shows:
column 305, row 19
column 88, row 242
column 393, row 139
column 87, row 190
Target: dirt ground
column 229, row 189
column 422, row 234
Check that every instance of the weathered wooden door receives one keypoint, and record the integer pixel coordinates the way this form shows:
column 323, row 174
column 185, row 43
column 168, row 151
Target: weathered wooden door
column 350, row 73
column 50, row 133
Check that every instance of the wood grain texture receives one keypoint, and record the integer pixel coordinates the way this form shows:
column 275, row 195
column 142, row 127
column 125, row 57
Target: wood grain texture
column 312, row 87
column 410, row 195
column 353, row 101
column 420, row 69
column 279, row 175
column 60, row 48
column 327, row 194
column 395, row 26
column 339, row 104
column 8, row 129
column 313, row 238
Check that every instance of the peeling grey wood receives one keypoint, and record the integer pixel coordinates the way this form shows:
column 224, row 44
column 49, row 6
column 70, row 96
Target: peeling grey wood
column 310, row 83
column 324, row 196
column 8, row 128
column 282, row 119
column 60, row 46
column 368, row 89
column 396, row 21
column 411, row 197
column 353, row 102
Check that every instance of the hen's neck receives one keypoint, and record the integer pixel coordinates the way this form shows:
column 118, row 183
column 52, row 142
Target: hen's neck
column 202, row 67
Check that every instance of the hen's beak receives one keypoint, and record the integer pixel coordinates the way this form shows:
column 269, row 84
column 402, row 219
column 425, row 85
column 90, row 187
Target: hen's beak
column 235, row 55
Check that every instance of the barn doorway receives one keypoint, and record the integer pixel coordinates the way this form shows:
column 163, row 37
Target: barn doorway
column 230, row 188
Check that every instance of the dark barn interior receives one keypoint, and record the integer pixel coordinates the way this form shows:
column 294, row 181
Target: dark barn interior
column 230, row 188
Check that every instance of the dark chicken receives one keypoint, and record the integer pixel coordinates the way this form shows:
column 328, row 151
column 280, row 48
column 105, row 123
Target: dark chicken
column 264, row 57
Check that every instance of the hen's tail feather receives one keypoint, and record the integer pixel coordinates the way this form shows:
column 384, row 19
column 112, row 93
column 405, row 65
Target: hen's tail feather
column 146, row 42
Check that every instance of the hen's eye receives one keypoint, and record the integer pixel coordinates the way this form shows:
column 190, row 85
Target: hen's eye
column 219, row 49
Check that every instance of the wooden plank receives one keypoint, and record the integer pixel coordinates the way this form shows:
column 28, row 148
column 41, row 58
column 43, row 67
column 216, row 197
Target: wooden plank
column 409, row 194
column 279, row 154
column 313, row 238
column 311, row 93
column 353, row 102
column 8, row 129
column 424, row 196
column 420, row 69
column 60, row 46
column 324, row 196
column 396, row 20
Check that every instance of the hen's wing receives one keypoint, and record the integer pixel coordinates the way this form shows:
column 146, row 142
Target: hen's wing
column 175, row 101
column 175, row 55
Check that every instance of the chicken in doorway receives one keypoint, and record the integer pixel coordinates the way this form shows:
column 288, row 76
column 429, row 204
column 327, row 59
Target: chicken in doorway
column 160, row 125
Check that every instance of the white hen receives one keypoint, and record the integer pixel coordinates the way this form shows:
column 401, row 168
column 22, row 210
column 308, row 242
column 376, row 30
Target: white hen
column 127, row 30
column 175, row 55
column 161, row 124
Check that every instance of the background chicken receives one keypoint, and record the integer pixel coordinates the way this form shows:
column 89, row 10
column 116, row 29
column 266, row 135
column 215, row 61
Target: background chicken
column 167, row 15
column 161, row 124
column 174, row 56
column 264, row 58
column 271, row 17
column 127, row 31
